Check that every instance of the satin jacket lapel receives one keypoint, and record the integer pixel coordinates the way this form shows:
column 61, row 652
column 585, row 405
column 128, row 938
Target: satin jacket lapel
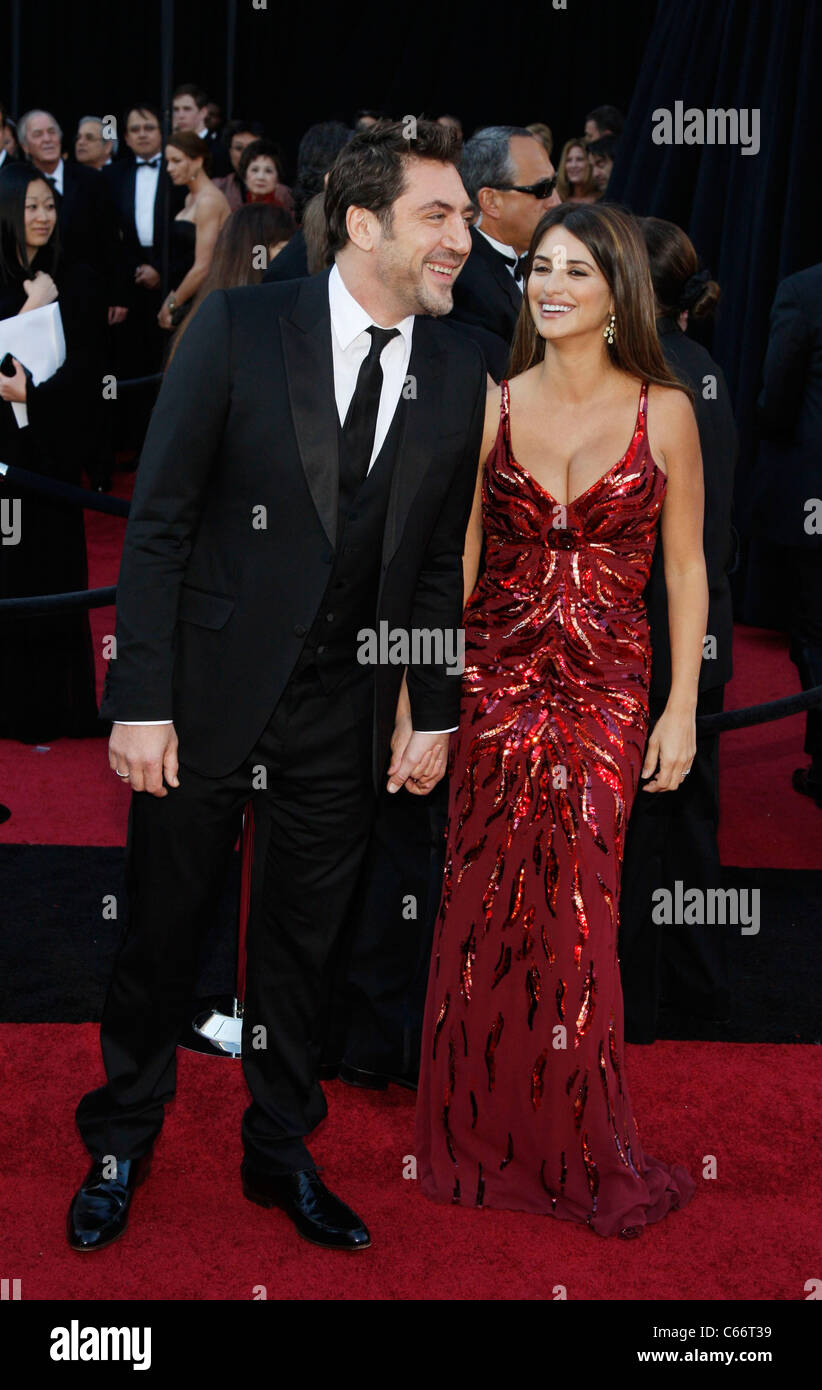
column 309, row 368
column 422, row 419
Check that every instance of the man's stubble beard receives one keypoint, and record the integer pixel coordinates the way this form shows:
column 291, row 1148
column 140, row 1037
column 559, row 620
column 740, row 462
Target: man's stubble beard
column 410, row 287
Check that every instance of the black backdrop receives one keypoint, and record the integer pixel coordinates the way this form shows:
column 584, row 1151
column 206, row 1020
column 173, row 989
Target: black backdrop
column 754, row 218
column 297, row 63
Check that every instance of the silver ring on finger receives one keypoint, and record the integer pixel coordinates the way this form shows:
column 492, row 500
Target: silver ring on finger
column 122, row 774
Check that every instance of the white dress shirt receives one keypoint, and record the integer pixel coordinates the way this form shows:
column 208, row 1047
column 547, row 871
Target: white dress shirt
column 145, row 192
column 57, row 176
column 350, row 343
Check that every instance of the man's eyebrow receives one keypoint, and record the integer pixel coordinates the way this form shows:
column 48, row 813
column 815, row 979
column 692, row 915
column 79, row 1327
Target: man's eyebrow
column 447, row 207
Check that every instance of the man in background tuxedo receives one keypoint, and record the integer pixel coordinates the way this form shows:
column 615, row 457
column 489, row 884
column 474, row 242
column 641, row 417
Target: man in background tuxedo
column 145, row 200
column 190, row 111
column 511, row 181
column 4, row 154
column 308, row 474
column 787, row 485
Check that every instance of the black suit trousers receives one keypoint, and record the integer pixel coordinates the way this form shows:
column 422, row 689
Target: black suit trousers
column 673, row 835
column 313, row 802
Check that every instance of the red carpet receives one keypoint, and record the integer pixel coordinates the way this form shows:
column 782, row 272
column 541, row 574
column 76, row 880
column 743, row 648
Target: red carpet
column 67, row 794
column 752, row 1233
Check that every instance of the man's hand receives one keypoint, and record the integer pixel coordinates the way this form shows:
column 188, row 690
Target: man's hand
column 145, row 752
column 147, row 276
column 116, row 314
column 418, row 761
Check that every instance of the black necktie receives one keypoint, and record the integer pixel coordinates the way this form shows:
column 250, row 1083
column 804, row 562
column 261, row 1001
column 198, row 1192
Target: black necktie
column 361, row 421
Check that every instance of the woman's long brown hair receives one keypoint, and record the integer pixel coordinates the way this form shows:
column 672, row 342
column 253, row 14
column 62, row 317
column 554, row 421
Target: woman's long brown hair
column 615, row 241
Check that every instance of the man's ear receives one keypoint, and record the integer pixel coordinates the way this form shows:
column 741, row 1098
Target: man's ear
column 361, row 225
column 488, row 199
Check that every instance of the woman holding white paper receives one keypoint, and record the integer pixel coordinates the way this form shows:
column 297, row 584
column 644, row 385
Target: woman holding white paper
column 47, row 678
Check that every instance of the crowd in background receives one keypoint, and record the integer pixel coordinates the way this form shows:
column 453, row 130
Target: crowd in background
column 130, row 234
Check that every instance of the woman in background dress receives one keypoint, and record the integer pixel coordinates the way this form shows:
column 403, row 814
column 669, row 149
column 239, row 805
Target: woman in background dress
column 47, row 678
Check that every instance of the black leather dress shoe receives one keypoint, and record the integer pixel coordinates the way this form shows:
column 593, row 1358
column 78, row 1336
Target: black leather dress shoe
column 99, row 1210
column 318, row 1215
column 373, row 1080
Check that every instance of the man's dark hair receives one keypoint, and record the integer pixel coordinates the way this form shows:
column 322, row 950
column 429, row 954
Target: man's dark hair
column 238, row 127
column 605, row 146
column 190, row 89
column 370, row 172
column 316, row 153
column 607, row 118
column 143, row 108
column 2, row 113
column 486, row 158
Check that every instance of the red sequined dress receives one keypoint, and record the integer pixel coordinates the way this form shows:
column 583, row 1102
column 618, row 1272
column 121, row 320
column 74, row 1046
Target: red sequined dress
column 523, row 1101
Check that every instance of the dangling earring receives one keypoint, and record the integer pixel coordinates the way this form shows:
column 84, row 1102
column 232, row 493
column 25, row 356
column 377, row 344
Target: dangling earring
column 609, row 330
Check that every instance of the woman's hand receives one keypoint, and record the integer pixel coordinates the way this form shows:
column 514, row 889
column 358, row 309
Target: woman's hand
column 671, row 750
column 13, row 388
column 164, row 317
column 39, row 291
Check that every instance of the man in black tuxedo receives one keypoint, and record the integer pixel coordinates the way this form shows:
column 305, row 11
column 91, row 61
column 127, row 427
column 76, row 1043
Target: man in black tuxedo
column 379, row 998
column 788, row 485
column 190, row 111
column 4, row 154
column 145, row 200
column 511, row 181
column 305, row 485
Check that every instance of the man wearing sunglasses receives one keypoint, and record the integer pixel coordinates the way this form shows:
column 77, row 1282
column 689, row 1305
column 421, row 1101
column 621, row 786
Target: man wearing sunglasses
column 511, row 182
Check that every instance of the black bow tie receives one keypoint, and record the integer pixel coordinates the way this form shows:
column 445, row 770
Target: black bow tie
column 517, row 264
column 151, row 163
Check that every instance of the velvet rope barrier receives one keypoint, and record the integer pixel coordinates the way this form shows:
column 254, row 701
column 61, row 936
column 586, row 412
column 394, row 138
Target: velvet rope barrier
column 36, row 605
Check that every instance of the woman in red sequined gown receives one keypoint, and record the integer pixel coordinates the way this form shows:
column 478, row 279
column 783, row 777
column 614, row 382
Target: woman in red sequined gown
column 523, row 1100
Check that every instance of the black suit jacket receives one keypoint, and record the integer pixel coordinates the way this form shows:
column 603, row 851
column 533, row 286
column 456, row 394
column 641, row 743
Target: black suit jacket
column 719, row 444
column 89, row 231
column 487, row 302
column 121, row 178
column 212, row 612
column 789, row 468
column 291, row 263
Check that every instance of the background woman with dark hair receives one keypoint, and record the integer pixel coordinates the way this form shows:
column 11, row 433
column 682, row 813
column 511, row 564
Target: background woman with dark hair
column 237, row 259
column 195, row 228
column 260, row 171
column 46, row 664
column 523, row 1101
column 236, row 136
column 674, row 838
column 575, row 181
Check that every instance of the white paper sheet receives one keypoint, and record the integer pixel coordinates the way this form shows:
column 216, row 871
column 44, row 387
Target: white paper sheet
column 36, row 339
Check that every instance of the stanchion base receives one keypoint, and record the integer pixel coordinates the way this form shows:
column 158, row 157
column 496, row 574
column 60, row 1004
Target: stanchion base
column 215, row 1030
